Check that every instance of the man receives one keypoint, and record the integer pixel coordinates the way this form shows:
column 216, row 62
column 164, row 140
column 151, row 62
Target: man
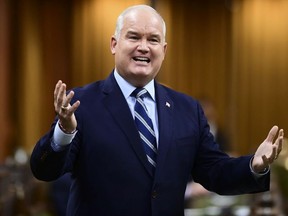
column 99, row 142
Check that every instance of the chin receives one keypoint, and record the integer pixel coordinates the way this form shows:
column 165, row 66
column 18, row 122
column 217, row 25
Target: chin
column 141, row 79
column 142, row 72
column 143, row 75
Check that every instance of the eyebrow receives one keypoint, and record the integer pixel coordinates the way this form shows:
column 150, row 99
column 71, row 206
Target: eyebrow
column 131, row 32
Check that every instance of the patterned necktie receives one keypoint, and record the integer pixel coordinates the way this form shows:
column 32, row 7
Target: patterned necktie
column 145, row 127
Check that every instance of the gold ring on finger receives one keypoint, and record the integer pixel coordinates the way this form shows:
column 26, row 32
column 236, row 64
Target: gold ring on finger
column 64, row 108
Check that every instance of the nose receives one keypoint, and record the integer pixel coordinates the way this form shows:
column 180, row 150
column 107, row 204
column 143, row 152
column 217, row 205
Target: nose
column 143, row 46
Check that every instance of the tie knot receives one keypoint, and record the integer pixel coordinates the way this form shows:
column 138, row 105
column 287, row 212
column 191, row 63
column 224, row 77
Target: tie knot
column 139, row 92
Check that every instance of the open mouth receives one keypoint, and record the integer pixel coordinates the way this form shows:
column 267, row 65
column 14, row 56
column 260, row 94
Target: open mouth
column 141, row 59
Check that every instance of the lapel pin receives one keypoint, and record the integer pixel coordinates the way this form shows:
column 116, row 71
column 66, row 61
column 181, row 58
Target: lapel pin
column 167, row 104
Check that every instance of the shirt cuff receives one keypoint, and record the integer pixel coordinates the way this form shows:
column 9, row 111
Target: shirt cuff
column 60, row 138
column 264, row 172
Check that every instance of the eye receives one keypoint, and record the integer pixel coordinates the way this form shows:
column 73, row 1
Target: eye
column 133, row 37
column 154, row 40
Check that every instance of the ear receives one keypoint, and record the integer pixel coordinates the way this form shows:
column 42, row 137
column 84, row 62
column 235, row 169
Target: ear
column 164, row 49
column 113, row 44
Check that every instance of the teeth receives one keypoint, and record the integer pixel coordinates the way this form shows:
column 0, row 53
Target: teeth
column 141, row 59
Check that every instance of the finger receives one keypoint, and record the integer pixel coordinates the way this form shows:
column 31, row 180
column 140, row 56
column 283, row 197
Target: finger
column 74, row 107
column 68, row 98
column 265, row 160
column 71, row 108
column 274, row 154
column 279, row 149
column 279, row 141
column 65, row 107
column 61, row 95
column 272, row 133
column 57, row 87
column 56, row 90
column 62, row 92
column 68, row 111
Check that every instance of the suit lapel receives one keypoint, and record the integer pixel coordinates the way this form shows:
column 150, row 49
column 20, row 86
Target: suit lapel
column 165, row 110
column 119, row 109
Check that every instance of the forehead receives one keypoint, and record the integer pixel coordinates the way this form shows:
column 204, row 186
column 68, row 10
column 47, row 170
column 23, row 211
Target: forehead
column 143, row 21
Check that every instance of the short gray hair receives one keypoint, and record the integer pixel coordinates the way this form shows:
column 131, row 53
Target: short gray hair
column 120, row 19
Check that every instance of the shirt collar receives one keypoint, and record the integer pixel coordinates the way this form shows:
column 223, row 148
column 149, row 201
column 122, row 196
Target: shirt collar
column 127, row 88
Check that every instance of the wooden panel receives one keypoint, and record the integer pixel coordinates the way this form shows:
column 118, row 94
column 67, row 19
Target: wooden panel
column 68, row 40
column 234, row 53
column 198, row 54
column 93, row 25
column 5, row 115
column 260, row 53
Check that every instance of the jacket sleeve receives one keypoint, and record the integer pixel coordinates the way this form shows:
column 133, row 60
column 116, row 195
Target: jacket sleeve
column 47, row 164
column 219, row 172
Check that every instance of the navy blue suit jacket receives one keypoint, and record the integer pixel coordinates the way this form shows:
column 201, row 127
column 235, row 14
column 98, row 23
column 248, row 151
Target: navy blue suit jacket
column 109, row 166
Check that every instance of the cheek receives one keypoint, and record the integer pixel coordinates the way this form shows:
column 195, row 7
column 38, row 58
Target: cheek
column 124, row 52
column 159, row 57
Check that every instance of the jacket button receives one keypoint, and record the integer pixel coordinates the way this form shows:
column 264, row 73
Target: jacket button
column 154, row 194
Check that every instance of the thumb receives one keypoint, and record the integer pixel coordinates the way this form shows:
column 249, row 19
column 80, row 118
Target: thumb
column 272, row 133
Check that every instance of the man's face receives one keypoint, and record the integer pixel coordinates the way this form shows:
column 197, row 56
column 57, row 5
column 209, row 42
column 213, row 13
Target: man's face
column 140, row 48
